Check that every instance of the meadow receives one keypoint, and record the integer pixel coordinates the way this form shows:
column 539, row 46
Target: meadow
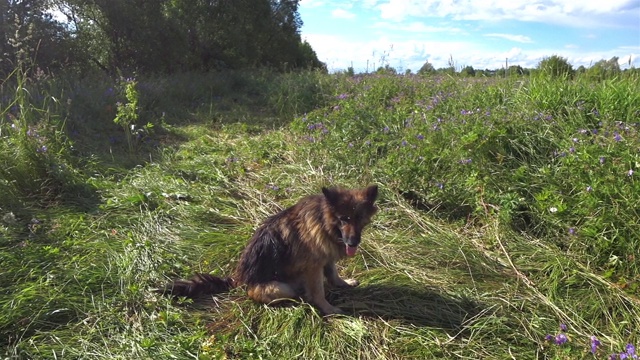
column 508, row 223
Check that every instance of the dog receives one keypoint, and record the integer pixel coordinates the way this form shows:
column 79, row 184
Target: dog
column 293, row 251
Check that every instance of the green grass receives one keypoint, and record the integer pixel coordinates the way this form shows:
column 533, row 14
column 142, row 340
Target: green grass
column 487, row 238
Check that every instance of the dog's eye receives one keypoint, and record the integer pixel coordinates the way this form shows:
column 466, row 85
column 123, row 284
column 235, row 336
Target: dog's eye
column 345, row 218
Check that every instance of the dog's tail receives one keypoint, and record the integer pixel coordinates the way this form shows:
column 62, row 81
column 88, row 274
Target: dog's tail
column 199, row 284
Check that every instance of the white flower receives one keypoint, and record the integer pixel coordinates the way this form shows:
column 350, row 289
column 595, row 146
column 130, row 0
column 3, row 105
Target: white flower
column 553, row 209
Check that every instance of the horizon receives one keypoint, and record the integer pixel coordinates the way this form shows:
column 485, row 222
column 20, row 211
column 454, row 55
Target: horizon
column 404, row 34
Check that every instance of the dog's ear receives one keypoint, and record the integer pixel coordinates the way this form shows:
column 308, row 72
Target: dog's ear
column 331, row 194
column 371, row 192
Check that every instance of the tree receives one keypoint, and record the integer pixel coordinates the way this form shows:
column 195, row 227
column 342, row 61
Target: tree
column 426, row 69
column 30, row 36
column 604, row 69
column 175, row 35
column 555, row 67
column 468, row 71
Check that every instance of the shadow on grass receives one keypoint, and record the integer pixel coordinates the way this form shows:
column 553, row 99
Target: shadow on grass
column 422, row 308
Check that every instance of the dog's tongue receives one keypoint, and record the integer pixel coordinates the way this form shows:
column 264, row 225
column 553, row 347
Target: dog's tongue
column 351, row 250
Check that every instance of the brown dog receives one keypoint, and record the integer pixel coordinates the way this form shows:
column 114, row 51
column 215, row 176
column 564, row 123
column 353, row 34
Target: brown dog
column 289, row 256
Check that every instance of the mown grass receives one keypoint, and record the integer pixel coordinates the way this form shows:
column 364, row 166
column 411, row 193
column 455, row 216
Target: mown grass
column 498, row 219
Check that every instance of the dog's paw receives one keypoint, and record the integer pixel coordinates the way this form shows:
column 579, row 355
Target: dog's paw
column 333, row 311
column 352, row 282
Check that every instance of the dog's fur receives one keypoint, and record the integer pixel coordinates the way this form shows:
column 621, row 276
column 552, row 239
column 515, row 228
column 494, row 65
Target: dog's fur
column 289, row 256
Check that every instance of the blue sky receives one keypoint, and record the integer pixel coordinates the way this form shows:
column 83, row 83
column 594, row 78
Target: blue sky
column 482, row 33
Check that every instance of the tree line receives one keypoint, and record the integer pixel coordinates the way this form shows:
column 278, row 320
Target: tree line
column 153, row 36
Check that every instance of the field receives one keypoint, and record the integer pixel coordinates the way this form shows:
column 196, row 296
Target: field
column 508, row 224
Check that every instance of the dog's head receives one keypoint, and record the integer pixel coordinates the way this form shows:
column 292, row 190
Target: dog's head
column 351, row 211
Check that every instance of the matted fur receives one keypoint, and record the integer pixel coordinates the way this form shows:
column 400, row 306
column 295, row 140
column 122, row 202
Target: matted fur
column 293, row 251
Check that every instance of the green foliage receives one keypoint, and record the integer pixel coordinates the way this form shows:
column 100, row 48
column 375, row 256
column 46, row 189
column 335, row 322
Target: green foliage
column 456, row 150
column 495, row 214
column 604, row 69
column 555, row 67
column 127, row 115
column 34, row 151
column 427, row 68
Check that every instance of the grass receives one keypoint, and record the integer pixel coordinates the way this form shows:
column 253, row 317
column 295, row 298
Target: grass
column 487, row 238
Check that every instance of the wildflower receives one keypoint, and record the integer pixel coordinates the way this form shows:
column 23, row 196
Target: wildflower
column 367, row 142
column 552, row 210
column 350, row 145
column 589, row 188
column 385, row 130
column 601, row 159
column 616, row 136
column 420, row 137
column 563, row 327
column 572, row 231
column 404, row 143
column 572, row 149
column 42, row 149
column 594, row 344
column 343, row 96
column 630, row 172
column 631, row 350
column 465, row 161
column 575, row 140
column 440, row 185
column 561, row 339
column 548, row 337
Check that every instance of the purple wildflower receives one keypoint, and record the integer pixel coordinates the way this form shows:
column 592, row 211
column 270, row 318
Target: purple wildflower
column 589, row 188
column 572, row 231
column 548, row 337
column 42, row 149
column 367, row 142
column 350, row 145
column 420, row 137
column 616, row 136
column 385, row 130
column 561, row 339
column 404, row 143
column 631, row 350
column 601, row 159
column 572, row 149
column 563, row 327
column 343, row 96
column 594, row 344
column 630, row 172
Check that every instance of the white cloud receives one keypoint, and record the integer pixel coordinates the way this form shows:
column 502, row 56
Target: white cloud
column 516, row 38
column 340, row 52
column 577, row 13
column 342, row 14
column 312, row 3
column 416, row 27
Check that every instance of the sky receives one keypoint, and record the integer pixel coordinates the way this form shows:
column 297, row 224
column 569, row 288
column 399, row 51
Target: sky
column 484, row 34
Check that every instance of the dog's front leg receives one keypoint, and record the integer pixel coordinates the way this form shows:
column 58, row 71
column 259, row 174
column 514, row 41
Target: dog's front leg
column 314, row 293
column 331, row 273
